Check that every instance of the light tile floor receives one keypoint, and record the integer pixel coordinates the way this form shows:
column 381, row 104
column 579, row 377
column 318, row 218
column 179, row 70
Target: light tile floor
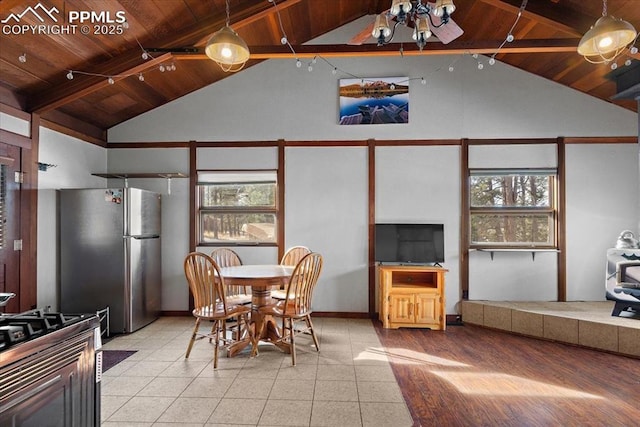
column 348, row 383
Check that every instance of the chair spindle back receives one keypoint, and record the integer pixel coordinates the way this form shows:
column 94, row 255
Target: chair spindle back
column 302, row 283
column 205, row 282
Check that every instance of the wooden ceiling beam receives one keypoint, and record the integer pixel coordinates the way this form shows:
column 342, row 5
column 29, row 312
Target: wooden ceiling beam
column 83, row 85
column 254, row 15
column 454, row 48
column 548, row 13
column 7, row 5
column 129, row 62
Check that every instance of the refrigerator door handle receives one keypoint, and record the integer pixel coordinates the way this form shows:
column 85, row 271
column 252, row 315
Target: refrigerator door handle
column 155, row 236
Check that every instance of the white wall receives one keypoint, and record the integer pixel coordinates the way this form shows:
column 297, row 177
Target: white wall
column 75, row 160
column 15, row 124
column 327, row 210
column 603, row 195
column 293, row 104
column 422, row 185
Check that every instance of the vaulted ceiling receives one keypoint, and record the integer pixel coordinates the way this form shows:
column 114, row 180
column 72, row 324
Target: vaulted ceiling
column 34, row 63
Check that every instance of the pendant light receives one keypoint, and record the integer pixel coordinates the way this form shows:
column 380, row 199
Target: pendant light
column 416, row 12
column 606, row 39
column 227, row 49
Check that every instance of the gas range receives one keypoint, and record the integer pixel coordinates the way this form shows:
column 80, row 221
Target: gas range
column 29, row 325
column 50, row 369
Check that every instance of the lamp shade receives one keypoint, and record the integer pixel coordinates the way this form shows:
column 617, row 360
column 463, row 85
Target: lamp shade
column 381, row 27
column 443, row 6
column 227, row 49
column 421, row 32
column 606, row 39
column 398, row 6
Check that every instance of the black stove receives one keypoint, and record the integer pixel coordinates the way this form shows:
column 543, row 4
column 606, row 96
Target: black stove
column 50, row 369
column 21, row 327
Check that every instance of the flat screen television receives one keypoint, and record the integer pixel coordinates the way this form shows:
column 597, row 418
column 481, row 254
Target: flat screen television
column 409, row 243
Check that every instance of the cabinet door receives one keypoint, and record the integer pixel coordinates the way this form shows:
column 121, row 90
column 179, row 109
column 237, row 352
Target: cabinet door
column 401, row 309
column 427, row 308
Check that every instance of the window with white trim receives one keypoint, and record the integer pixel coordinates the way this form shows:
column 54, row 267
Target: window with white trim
column 237, row 207
column 512, row 208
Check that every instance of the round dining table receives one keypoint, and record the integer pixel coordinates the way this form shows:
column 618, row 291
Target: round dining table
column 261, row 279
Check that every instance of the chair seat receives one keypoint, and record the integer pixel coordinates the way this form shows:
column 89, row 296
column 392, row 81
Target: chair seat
column 279, row 294
column 217, row 312
column 240, row 299
column 278, row 309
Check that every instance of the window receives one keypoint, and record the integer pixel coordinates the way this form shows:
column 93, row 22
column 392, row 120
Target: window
column 512, row 208
column 238, row 207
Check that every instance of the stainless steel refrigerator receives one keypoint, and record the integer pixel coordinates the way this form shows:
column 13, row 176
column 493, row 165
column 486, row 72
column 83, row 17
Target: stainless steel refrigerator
column 110, row 256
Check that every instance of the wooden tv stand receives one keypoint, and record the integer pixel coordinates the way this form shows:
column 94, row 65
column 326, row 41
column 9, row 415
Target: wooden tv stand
column 412, row 297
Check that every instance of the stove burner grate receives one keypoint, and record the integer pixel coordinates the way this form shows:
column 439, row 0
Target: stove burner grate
column 17, row 328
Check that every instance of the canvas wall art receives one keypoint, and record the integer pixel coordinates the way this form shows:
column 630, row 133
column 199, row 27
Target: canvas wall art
column 374, row 101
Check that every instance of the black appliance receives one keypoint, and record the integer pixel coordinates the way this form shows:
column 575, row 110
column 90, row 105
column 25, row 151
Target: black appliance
column 409, row 243
column 50, row 369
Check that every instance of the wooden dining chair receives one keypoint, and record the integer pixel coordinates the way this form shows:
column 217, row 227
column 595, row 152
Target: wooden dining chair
column 210, row 303
column 296, row 306
column 294, row 254
column 291, row 257
column 226, row 257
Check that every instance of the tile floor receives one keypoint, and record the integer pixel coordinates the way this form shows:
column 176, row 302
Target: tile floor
column 348, row 383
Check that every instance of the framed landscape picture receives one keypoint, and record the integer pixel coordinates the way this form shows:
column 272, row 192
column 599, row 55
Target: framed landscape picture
column 374, row 101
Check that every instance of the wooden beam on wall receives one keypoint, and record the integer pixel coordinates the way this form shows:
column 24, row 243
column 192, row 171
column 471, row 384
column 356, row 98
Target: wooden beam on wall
column 15, row 139
column 561, row 228
column 29, row 220
column 281, row 202
column 464, row 219
column 13, row 110
column 371, row 150
column 68, row 125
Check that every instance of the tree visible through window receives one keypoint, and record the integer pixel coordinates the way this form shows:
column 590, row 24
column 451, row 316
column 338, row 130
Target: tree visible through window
column 512, row 208
column 238, row 207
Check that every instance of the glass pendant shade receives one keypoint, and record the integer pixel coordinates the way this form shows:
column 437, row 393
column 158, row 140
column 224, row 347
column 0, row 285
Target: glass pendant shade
column 606, row 39
column 421, row 32
column 400, row 5
column 381, row 27
column 227, row 49
column 442, row 6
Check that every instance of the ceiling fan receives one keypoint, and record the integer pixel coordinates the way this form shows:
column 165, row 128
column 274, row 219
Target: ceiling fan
column 426, row 19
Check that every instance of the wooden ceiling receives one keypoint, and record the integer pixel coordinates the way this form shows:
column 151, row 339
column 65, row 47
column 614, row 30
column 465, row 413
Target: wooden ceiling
column 545, row 44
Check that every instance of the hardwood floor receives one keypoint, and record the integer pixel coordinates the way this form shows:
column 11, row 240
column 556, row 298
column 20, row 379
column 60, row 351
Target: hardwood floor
column 472, row 376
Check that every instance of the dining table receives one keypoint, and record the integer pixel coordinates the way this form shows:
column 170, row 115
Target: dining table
column 261, row 278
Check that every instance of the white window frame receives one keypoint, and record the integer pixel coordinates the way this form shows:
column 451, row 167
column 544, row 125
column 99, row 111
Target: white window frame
column 550, row 211
column 212, row 177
